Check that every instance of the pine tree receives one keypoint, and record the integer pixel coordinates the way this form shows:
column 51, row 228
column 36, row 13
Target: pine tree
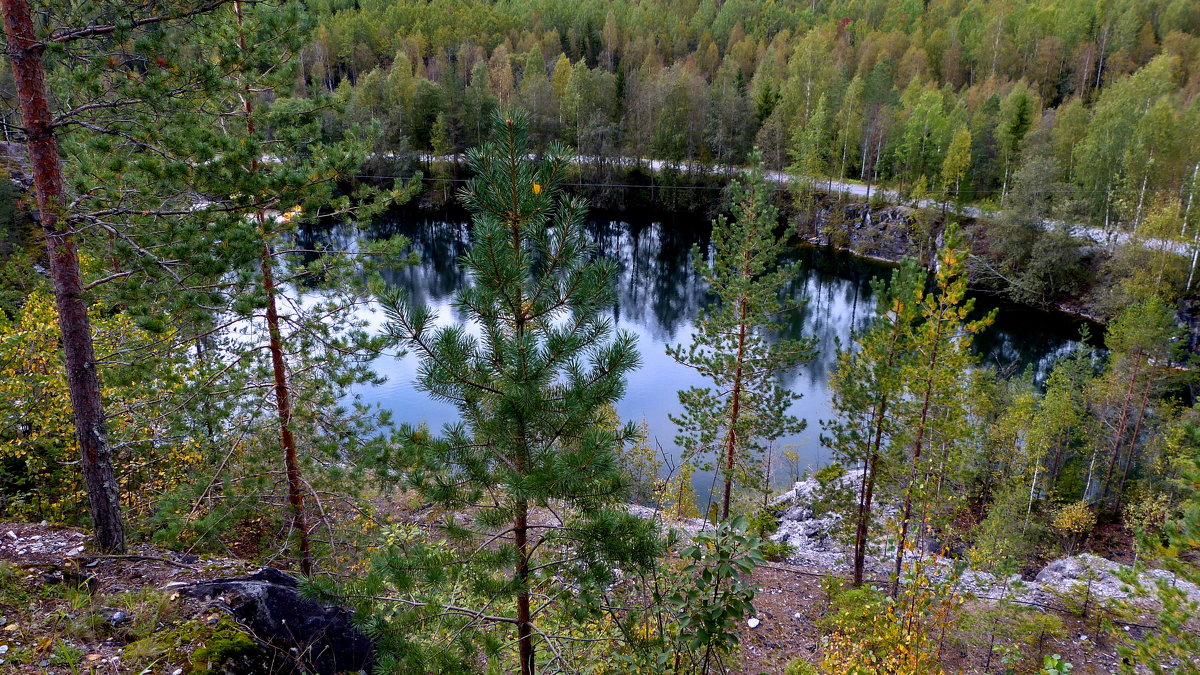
column 1143, row 343
column 1173, row 647
column 533, row 390
column 934, row 404
column 189, row 233
column 26, row 49
column 867, row 385
column 735, row 345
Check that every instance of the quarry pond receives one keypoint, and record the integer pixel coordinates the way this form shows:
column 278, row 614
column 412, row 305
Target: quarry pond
column 658, row 296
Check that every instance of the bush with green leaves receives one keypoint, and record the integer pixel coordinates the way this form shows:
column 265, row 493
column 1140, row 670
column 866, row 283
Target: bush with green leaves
column 711, row 607
column 1053, row 664
column 827, row 474
column 687, row 620
column 799, row 667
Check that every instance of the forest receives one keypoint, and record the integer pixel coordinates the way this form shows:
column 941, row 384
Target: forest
column 218, row 263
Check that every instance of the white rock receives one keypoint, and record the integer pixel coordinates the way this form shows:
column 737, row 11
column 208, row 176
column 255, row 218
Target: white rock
column 753, row 622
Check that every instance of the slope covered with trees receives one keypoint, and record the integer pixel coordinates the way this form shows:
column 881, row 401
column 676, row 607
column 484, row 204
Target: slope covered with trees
column 181, row 335
column 949, row 91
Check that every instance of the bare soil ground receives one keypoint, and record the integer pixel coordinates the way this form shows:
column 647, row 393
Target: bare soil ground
column 66, row 611
column 48, row 629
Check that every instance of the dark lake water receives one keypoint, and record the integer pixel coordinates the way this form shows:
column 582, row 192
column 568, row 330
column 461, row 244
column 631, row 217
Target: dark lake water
column 658, row 297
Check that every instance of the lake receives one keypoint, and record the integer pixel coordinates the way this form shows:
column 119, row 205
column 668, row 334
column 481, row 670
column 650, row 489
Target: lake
column 658, row 297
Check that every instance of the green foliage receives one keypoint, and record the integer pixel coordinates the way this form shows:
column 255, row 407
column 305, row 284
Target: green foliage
column 535, row 392
column 204, row 645
column 826, row 475
column 701, row 605
column 710, row 609
column 678, row 497
column 233, row 650
column 193, row 175
column 1053, row 664
column 934, row 407
column 777, row 551
column 763, row 522
column 643, row 468
column 1144, row 517
column 799, row 667
column 38, row 451
column 728, row 424
column 1013, row 634
column 1072, row 110
column 1173, row 647
column 866, row 384
column 870, row 632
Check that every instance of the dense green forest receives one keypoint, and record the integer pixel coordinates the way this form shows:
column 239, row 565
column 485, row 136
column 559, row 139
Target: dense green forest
column 880, row 90
column 1061, row 111
column 182, row 349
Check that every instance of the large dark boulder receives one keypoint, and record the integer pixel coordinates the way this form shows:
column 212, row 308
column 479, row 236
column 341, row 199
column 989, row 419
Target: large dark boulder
column 309, row 637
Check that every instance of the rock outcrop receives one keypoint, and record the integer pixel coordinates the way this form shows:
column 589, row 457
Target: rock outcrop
column 1078, row 578
column 307, row 636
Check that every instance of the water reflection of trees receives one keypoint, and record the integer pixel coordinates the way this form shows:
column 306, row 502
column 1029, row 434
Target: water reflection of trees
column 439, row 244
column 1024, row 340
column 658, row 287
column 659, row 290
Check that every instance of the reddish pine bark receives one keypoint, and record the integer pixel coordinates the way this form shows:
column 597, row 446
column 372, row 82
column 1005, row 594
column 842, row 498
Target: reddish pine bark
column 735, row 411
column 283, row 404
column 83, row 382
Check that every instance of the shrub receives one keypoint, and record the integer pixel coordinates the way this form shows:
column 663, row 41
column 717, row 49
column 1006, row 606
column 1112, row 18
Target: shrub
column 776, row 551
column 799, row 667
column 827, row 474
column 1075, row 521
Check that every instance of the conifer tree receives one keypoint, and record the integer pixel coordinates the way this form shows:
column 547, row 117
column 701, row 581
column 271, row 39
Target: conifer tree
column 1144, row 342
column 867, row 385
column 26, row 49
column 534, row 388
column 161, row 157
column 934, row 404
column 735, row 346
column 1174, row 646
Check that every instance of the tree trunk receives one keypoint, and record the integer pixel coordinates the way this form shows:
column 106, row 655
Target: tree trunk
column 1137, row 430
column 525, row 650
column 1119, row 436
column 283, row 404
column 864, row 516
column 918, row 445
column 524, row 616
column 283, row 401
column 868, row 488
column 734, row 410
column 79, row 356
